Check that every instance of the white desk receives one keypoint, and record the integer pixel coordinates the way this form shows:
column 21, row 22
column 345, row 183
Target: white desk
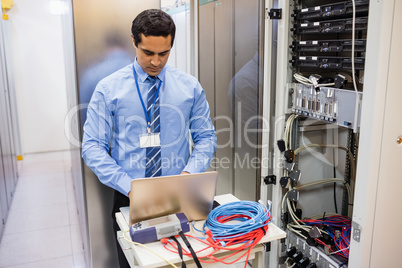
column 138, row 256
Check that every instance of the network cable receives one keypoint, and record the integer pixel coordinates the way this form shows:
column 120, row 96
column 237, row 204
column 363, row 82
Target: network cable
column 236, row 227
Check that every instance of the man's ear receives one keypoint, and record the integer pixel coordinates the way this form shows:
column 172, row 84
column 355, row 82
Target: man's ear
column 132, row 37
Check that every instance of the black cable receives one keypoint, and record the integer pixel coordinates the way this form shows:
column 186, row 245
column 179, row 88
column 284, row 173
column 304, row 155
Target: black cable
column 197, row 262
column 336, row 207
column 180, row 250
column 333, row 164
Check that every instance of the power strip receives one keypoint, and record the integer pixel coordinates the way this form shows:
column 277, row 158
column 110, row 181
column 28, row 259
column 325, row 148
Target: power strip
column 316, row 255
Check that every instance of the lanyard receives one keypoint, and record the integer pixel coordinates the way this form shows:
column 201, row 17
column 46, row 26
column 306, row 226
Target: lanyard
column 147, row 116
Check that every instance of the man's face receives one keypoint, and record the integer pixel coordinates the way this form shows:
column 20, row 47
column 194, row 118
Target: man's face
column 153, row 53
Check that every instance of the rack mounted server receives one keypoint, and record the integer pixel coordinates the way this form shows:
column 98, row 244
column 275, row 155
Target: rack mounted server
column 336, row 10
column 329, row 26
column 322, row 62
column 328, row 46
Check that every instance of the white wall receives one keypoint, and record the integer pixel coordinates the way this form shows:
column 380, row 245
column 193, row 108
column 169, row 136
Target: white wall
column 39, row 75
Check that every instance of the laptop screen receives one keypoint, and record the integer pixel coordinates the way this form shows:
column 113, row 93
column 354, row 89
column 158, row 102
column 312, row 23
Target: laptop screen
column 192, row 194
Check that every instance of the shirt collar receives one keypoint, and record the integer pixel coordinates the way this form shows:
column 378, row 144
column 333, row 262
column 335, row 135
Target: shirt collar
column 142, row 76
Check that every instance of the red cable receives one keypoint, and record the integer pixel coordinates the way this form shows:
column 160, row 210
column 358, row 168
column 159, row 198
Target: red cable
column 248, row 241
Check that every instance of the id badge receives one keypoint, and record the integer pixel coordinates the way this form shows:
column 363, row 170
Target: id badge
column 150, row 140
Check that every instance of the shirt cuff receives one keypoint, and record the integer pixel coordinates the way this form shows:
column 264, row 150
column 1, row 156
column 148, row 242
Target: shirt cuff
column 196, row 165
column 124, row 186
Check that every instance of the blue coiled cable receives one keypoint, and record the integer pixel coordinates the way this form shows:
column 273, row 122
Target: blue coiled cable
column 256, row 215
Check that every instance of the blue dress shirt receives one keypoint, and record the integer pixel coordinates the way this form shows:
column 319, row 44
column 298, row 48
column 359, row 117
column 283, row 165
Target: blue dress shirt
column 116, row 119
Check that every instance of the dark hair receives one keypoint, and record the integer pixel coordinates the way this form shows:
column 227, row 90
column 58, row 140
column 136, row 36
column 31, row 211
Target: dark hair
column 153, row 22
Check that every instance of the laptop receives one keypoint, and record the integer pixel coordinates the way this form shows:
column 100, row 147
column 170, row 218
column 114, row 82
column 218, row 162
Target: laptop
column 192, row 194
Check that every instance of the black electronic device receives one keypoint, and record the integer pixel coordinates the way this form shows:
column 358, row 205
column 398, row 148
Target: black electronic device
column 329, row 26
column 290, row 251
column 158, row 228
column 334, row 10
column 328, row 45
column 304, row 262
column 281, row 145
column 323, row 62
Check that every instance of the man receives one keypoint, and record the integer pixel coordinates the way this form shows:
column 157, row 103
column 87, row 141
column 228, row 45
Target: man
column 143, row 114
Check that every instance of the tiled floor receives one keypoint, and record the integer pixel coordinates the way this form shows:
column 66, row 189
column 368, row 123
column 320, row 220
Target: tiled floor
column 42, row 227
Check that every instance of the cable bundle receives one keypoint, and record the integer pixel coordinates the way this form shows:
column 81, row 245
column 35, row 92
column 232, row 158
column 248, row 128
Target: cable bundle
column 251, row 216
column 313, row 80
column 236, row 226
column 334, row 230
column 338, row 228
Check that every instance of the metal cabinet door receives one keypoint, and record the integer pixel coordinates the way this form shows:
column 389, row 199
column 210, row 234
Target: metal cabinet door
column 8, row 157
column 230, row 72
column 3, row 196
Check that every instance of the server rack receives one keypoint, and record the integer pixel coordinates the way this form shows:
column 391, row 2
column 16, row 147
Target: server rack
column 314, row 41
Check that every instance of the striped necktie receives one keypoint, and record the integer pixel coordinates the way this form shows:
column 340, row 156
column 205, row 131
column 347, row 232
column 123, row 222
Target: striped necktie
column 153, row 158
